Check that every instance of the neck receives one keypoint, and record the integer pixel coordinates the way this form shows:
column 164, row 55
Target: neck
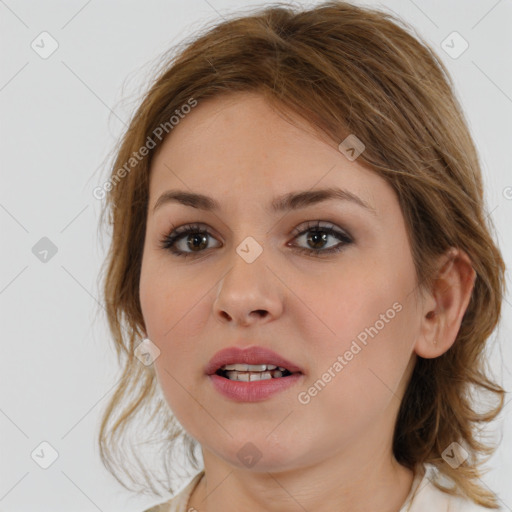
column 372, row 486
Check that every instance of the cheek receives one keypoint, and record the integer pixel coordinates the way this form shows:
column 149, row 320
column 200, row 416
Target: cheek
column 355, row 374
column 175, row 309
column 169, row 313
column 367, row 317
column 340, row 304
column 169, row 300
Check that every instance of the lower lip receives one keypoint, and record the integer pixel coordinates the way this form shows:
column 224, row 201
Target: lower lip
column 254, row 391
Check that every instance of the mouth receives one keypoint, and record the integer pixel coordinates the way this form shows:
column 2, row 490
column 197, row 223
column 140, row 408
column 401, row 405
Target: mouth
column 240, row 382
column 252, row 373
column 250, row 364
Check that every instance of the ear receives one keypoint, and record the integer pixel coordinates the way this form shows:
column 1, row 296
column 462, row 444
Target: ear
column 445, row 305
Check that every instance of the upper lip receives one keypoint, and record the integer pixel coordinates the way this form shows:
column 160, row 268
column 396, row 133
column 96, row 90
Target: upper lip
column 249, row 355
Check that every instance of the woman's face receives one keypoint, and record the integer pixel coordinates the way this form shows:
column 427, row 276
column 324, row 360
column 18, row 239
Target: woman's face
column 348, row 319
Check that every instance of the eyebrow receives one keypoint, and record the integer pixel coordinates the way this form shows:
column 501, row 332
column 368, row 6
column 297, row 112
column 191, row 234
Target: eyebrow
column 284, row 203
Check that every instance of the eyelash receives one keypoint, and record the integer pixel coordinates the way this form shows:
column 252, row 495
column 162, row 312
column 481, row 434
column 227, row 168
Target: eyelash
column 168, row 241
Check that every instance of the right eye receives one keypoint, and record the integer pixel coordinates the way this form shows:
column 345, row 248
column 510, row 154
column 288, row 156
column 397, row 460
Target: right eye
column 172, row 241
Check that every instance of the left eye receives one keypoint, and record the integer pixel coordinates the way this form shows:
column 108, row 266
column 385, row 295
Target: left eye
column 196, row 239
column 318, row 235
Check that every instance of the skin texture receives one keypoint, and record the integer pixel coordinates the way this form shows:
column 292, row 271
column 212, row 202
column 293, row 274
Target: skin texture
column 335, row 452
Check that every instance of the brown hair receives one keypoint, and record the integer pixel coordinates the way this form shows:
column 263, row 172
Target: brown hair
column 345, row 70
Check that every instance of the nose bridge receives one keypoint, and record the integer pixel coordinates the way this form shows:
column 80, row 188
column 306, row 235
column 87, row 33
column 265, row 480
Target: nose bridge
column 249, row 285
column 247, row 268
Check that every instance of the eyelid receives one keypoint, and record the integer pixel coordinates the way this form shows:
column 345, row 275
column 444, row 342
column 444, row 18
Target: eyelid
column 176, row 234
column 297, row 230
column 319, row 224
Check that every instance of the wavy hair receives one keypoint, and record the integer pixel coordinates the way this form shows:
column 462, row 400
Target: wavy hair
column 345, row 70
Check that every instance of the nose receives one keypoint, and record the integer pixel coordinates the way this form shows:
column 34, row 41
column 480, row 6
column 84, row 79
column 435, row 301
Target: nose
column 249, row 292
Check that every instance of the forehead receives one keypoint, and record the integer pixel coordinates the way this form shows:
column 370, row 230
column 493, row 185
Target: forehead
column 237, row 145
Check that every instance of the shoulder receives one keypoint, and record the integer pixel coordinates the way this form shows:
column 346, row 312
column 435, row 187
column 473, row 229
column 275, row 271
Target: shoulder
column 428, row 497
column 178, row 502
column 162, row 507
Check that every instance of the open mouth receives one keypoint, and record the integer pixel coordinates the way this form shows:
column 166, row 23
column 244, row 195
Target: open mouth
column 252, row 373
column 243, row 382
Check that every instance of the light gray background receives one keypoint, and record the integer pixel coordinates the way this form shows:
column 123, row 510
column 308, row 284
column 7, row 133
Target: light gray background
column 60, row 118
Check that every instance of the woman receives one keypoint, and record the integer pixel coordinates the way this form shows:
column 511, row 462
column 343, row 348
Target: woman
column 300, row 241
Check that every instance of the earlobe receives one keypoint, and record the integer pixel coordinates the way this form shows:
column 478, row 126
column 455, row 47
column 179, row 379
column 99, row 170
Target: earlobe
column 446, row 304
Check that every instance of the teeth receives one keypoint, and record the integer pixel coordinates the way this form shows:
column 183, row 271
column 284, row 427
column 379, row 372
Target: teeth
column 252, row 372
column 250, row 377
column 240, row 367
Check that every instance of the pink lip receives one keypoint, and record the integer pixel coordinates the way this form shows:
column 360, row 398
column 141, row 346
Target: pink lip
column 249, row 355
column 256, row 390
column 253, row 391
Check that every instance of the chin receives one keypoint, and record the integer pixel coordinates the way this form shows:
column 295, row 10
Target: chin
column 257, row 453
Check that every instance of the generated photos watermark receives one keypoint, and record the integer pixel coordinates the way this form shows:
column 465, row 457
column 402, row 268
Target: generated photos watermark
column 99, row 192
column 304, row 397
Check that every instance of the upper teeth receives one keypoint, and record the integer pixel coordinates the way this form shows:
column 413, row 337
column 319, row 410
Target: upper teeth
column 241, row 367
